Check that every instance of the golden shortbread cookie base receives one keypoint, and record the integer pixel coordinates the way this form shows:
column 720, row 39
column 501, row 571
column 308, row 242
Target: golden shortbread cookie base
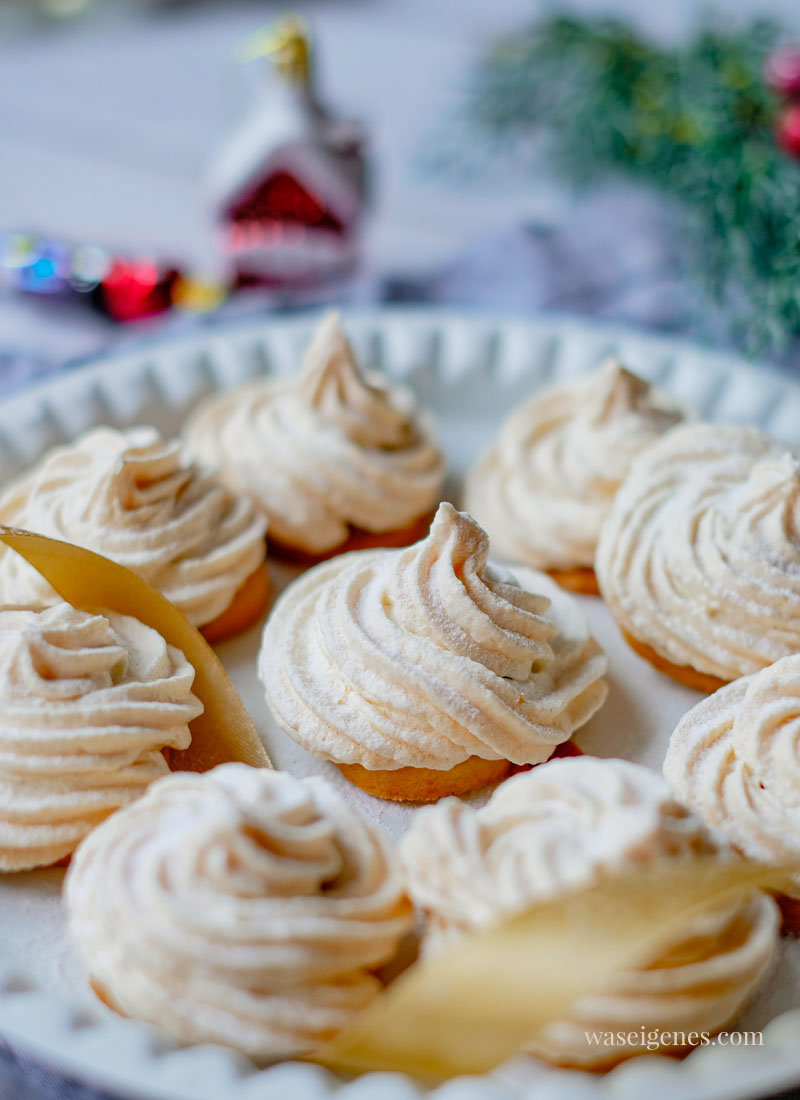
column 357, row 540
column 247, row 606
column 426, row 784
column 580, row 579
column 684, row 674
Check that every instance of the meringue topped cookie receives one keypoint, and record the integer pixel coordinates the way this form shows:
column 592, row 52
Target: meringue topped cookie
column 87, row 704
column 699, row 560
column 735, row 760
column 425, row 671
column 243, row 907
column 130, row 496
column 568, row 825
column 545, row 486
column 331, row 453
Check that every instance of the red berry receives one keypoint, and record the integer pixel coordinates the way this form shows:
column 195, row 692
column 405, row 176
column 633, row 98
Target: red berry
column 783, row 71
column 788, row 132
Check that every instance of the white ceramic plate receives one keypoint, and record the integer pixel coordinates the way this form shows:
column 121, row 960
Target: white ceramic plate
column 471, row 370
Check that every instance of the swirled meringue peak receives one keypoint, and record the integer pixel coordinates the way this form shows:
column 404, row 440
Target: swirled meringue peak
column 87, row 703
column 243, row 907
column 568, row 825
column 735, row 760
column 700, row 556
column 129, row 496
column 331, row 448
column 544, row 488
column 425, row 656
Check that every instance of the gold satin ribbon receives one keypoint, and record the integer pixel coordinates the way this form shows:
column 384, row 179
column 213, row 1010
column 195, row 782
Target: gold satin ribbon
column 224, row 732
column 477, row 1004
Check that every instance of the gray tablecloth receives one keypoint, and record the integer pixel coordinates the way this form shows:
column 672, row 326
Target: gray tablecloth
column 25, row 1078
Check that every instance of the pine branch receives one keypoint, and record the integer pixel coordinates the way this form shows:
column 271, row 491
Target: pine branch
column 696, row 122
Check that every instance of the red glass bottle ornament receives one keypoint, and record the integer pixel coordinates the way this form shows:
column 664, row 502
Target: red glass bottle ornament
column 289, row 184
column 783, row 71
column 788, row 131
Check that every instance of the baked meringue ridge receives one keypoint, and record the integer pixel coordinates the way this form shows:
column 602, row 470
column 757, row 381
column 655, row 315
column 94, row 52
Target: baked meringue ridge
column 734, row 759
column 426, row 671
column 335, row 456
column 543, row 489
column 242, row 906
column 132, row 497
column 569, row 825
column 88, row 703
column 699, row 560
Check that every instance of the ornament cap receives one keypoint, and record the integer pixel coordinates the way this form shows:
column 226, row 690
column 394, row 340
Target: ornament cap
column 287, row 44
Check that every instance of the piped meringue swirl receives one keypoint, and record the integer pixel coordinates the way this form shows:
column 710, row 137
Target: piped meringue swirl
column 567, row 825
column 700, row 556
column 331, row 448
column 87, row 703
column 426, row 656
column 243, row 907
column 544, row 488
column 129, row 496
column 735, row 760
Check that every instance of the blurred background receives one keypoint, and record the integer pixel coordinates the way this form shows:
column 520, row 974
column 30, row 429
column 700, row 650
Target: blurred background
column 169, row 164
